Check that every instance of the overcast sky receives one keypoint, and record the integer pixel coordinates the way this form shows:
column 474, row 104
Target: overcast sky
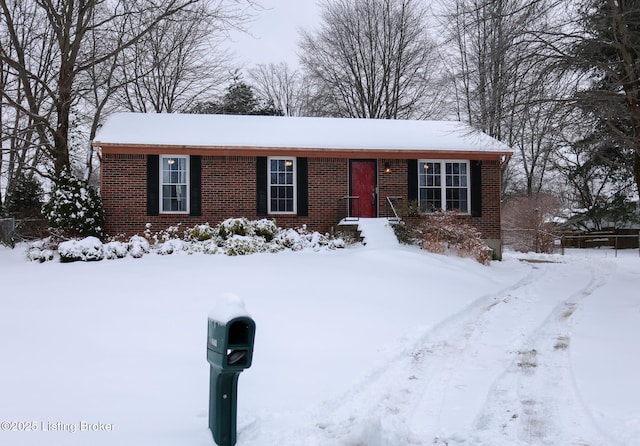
column 275, row 32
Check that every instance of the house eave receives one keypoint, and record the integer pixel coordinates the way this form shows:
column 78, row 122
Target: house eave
column 317, row 152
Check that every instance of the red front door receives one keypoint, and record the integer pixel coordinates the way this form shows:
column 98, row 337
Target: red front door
column 363, row 186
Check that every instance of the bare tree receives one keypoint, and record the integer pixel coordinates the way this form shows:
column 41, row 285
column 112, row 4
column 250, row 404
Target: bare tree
column 64, row 60
column 373, row 58
column 67, row 25
column 528, row 222
column 24, row 94
column 181, row 60
column 282, row 86
column 504, row 85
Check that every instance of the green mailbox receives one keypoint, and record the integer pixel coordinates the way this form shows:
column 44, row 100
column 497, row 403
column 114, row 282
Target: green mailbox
column 229, row 352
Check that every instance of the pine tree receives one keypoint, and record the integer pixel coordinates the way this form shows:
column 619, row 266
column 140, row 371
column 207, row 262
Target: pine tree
column 610, row 50
column 24, row 199
column 240, row 99
column 75, row 207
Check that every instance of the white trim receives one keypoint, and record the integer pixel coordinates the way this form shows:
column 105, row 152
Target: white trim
column 443, row 183
column 188, row 184
column 294, row 185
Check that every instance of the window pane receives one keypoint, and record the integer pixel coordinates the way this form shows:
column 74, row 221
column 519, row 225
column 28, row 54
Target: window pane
column 174, row 184
column 281, row 185
column 443, row 185
column 457, row 200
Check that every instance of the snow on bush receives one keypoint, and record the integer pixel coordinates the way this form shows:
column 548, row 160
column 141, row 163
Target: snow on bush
column 138, row 246
column 445, row 233
column 235, row 226
column 200, row 233
column 266, row 229
column 115, row 250
column 171, row 246
column 75, row 208
column 86, row 250
column 297, row 240
column 41, row 250
column 234, row 236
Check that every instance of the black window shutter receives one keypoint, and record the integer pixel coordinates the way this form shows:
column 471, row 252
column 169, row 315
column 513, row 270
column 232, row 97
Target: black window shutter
column 302, row 187
column 476, row 188
column 412, row 177
column 261, row 186
column 153, row 184
column 195, row 186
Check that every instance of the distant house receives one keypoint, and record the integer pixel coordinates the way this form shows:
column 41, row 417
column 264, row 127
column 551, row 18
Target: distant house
column 166, row 169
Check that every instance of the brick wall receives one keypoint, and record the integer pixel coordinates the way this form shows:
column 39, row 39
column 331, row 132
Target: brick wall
column 228, row 190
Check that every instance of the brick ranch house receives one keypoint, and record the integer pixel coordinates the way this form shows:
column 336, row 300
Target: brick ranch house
column 166, row 169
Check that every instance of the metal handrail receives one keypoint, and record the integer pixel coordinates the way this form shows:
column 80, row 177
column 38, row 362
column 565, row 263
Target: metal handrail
column 393, row 208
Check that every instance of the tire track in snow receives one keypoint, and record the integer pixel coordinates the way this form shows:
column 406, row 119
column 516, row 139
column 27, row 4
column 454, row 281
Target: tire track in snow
column 535, row 401
column 448, row 387
column 377, row 411
column 456, row 389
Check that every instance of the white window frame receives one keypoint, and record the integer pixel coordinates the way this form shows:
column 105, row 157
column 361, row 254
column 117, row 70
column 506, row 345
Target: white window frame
column 162, row 183
column 443, row 184
column 293, row 185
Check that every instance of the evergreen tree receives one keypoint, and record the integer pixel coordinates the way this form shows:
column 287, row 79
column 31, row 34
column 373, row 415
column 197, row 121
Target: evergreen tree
column 240, row 99
column 610, row 52
column 24, row 199
column 75, row 207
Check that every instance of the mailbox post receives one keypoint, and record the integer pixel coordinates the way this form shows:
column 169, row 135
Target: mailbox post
column 229, row 352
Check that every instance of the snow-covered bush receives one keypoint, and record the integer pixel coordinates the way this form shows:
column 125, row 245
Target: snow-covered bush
column 301, row 238
column 115, row 250
column 75, row 208
column 265, row 228
column 170, row 233
column 240, row 245
column 200, row 233
column 41, row 250
column 261, row 236
column 445, row 233
column 138, row 246
column 171, row 246
column 234, row 226
column 86, row 250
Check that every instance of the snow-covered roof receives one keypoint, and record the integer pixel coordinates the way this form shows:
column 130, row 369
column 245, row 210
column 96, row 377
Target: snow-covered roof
column 196, row 130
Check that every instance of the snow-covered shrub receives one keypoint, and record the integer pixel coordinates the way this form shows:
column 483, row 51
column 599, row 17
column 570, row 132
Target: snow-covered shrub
column 265, row 228
column 170, row 233
column 263, row 237
column 115, row 250
column 86, row 250
column 171, row 246
column 74, row 207
column 301, row 238
column 200, row 233
column 444, row 233
column 241, row 245
column 138, row 246
column 208, row 247
column 234, row 226
column 41, row 250
column 39, row 255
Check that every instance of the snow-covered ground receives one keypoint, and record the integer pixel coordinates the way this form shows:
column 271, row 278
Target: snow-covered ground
column 370, row 345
